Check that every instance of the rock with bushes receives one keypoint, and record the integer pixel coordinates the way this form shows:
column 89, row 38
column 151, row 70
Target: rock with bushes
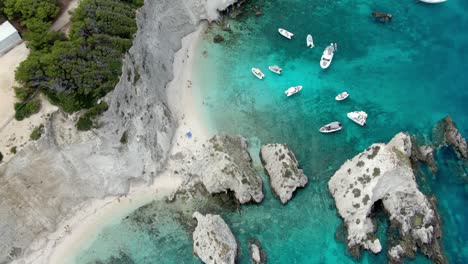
column 283, row 169
column 213, row 241
column 383, row 174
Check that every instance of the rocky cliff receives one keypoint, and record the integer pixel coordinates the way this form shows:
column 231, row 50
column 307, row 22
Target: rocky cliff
column 383, row 174
column 47, row 179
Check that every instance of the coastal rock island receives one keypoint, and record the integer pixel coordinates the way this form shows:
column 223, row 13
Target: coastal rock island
column 445, row 132
column 382, row 174
column 283, row 169
column 257, row 255
column 213, row 241
column 222, row 164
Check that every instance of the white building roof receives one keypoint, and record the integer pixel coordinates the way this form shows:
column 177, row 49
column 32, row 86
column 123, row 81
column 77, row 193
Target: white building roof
column 6, row 30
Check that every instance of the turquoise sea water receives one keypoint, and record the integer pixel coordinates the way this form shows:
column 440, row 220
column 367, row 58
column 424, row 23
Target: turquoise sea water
column 406, row 74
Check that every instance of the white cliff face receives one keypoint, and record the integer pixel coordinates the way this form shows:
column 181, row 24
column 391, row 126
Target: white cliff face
column 213, row 241
column 382, row 172
column 45, row 181
column 222, row 164
column 214, row 6
column 283, row 170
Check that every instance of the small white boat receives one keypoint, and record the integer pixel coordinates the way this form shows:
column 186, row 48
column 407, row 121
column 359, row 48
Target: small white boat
column 342, row 96
column 310, row 41
column 433, row 1
column 285, row 33
column 330, row 128
column 257, row 72
column 293, row 90
column 275, row 68
column 327, row 56
column 358, row 116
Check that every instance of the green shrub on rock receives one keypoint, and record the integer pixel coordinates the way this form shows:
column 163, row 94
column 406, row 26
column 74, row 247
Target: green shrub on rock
column 37, row 132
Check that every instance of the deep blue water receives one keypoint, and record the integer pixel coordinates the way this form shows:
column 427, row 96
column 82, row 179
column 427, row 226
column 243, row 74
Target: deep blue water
column 406, row 74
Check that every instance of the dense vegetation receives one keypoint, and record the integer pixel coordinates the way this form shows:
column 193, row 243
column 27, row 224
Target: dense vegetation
column 75, row 72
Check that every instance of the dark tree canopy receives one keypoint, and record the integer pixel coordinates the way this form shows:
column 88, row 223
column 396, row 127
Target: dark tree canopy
column 75, row 72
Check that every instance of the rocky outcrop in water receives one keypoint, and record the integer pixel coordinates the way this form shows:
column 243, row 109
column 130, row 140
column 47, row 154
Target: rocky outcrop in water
column 222, row 164
column 423, row 153
column 213, row 241
column 383, row 173
column 283, row 169
column 47, row 180
column 445, row 132
column 257, row 255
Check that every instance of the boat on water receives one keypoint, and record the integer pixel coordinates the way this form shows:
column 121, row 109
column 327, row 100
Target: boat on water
column 330, row 128
column 257, row 72
column 342, row 96
column 310, row 41
column 433, row 1
column 285, row 33
column 327, row 56
column 358, row 117
column 293, row 90
column 275, row 68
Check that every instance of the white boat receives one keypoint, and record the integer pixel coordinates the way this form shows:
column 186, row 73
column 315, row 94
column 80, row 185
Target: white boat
column 433, row 1
column 275, row 68
column 293, row 90
column 257, row 72
column 310, row 41
column 285, row 33
column 358, row 116
column 327, row 56
column 330, row 128
column 342, row 96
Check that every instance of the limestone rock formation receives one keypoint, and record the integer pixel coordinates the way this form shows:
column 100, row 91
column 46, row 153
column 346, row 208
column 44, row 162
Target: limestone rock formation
column 423, row 153
column 383, row 173
column 47, row 180
column 223, row 164
column 213, row 241
column 257, row 255
column 445, row 132
column 283, row 169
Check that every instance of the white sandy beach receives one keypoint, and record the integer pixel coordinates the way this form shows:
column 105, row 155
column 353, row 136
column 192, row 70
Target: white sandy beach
column 81, row 229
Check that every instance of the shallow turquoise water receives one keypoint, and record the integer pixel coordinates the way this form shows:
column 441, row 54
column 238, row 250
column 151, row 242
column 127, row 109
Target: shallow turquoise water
column 406, row 74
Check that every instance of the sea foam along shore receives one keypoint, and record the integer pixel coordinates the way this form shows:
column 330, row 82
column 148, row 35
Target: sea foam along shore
column 82, row 228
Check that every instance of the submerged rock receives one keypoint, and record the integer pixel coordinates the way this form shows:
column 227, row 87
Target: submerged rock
column 445, row 132
column 283, row 169
column 218, row 39
column 213, row 241
column 383, row 172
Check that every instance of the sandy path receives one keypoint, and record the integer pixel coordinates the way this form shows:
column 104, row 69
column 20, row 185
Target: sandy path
column 62, row 23
column 80, row 230
column 15, row 133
